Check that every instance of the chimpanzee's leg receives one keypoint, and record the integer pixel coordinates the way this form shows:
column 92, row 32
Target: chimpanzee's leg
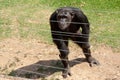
column 84, row 44
column 87, row 52
column 64, row 51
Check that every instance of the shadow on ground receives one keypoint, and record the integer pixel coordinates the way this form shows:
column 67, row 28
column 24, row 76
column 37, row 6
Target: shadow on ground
column 43, row 68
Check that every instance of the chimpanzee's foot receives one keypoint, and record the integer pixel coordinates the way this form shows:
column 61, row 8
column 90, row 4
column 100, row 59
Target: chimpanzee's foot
column 65, row 73
column 92, row 61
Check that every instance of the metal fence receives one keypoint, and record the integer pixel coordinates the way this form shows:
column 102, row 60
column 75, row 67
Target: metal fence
column 63, row 34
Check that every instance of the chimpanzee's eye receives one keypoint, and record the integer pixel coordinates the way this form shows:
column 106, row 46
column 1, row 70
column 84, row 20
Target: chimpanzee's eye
column 64, row 16
column 59, row 17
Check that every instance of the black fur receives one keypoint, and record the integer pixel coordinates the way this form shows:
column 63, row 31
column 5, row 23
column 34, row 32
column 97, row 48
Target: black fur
column 77, row 29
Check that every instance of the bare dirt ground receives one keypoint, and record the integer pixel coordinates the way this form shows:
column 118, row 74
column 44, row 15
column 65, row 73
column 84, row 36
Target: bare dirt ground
column 26, row 59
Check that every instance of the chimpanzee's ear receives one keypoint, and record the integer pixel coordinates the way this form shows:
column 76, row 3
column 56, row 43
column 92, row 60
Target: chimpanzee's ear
column 72, row 14
column 57, row 11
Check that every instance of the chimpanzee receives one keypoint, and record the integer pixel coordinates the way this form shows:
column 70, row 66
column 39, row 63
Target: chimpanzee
column 71, row 23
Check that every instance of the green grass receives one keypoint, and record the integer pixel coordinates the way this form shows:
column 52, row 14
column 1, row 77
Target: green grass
column 29, row 19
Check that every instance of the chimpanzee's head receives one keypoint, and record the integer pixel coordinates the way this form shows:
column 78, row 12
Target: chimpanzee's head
column 64, row 18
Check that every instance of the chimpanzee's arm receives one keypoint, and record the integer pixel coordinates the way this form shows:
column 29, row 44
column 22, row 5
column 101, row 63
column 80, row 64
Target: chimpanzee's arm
column 84, row 24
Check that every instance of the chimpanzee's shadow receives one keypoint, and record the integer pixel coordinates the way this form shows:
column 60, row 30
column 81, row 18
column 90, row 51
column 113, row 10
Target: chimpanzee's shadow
column 43, row 68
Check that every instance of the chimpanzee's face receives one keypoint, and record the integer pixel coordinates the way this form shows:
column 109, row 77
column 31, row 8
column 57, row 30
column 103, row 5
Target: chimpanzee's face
column 64, row 19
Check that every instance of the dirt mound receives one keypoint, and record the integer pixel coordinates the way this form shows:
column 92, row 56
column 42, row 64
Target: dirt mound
column 34, row 59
